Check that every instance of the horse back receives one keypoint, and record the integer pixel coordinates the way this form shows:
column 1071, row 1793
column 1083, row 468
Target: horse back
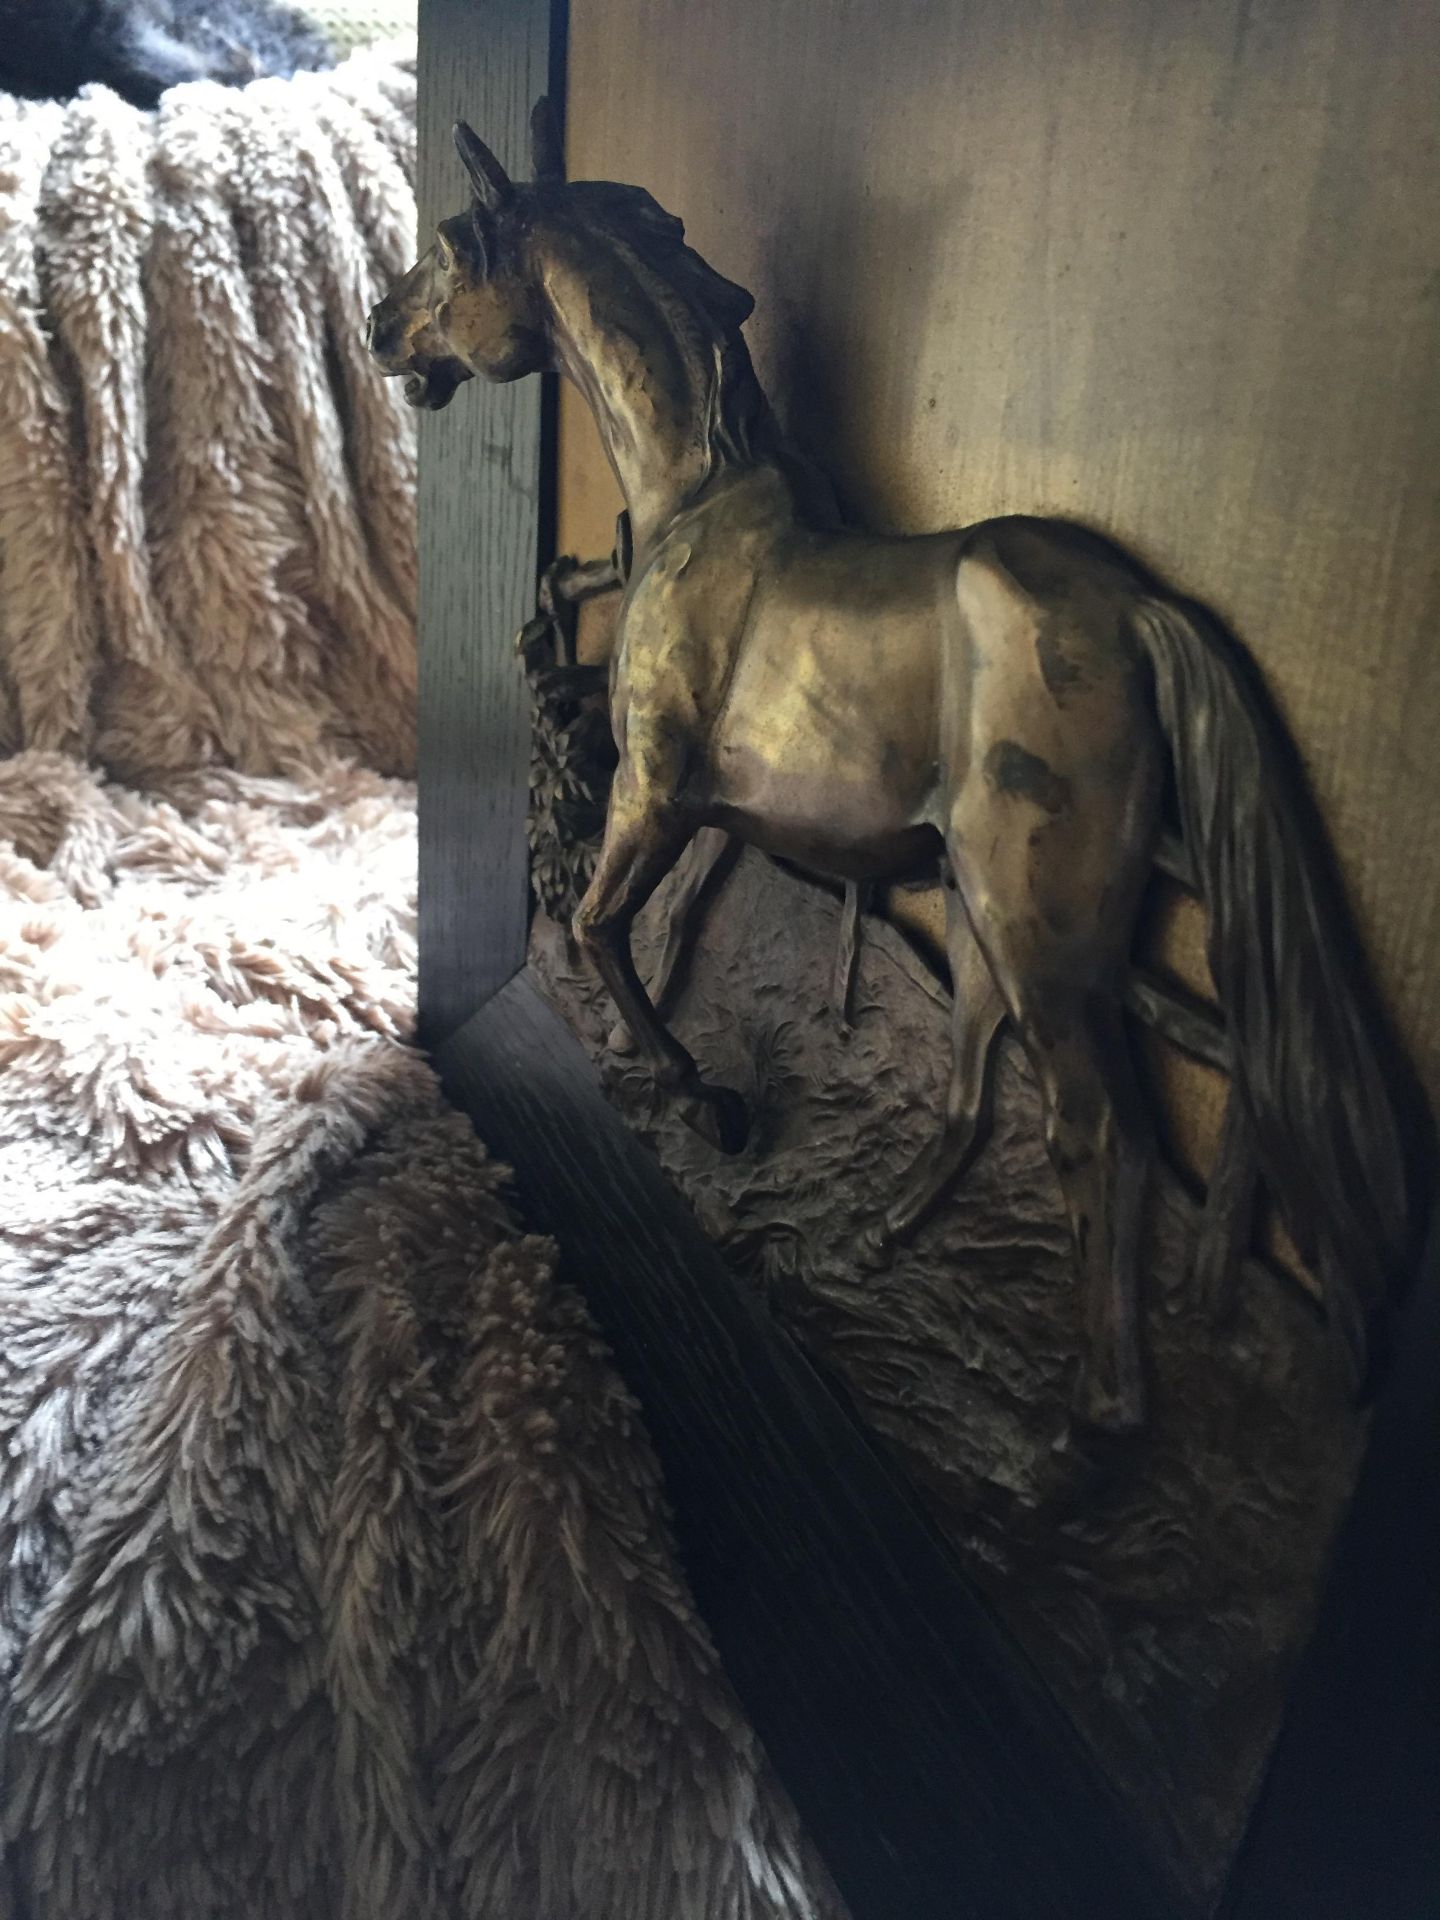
column 825, row 693
column 1054, row 668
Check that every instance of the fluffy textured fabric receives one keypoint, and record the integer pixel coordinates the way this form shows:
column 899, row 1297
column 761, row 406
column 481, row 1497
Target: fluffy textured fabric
column 207, row 546
column 335, row 1575
column 334, row 1578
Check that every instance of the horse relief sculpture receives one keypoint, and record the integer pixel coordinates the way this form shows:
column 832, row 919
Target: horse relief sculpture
column 1010, row 702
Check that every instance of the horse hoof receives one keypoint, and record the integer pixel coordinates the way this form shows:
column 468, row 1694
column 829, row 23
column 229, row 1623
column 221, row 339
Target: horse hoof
column 1213, row 1280
column 1117, row 1410
column 874, row 1248
column 719, row 1116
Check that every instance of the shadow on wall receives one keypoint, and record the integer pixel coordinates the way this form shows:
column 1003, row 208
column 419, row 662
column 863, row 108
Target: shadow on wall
column 813, row 352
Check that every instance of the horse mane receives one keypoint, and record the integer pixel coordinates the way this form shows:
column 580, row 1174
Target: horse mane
column 634, row 217
column 697, row 299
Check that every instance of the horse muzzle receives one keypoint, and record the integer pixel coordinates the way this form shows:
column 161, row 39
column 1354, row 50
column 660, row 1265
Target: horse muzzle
column 432, row 386
column 429, row 384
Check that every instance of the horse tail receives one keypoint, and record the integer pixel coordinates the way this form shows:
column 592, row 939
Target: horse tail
column 1309, row 1048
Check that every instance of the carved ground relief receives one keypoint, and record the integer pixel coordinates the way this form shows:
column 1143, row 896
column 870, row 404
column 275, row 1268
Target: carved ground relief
column 1163, row 1581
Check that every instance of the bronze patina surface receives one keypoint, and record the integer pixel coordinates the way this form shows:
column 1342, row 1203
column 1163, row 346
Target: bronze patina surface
column 1009, row 699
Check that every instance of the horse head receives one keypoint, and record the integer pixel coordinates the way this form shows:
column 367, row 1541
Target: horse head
column 469, row 305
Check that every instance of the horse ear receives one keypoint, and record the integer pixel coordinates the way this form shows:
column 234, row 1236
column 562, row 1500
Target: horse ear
column 491, row 182
column 547, row 146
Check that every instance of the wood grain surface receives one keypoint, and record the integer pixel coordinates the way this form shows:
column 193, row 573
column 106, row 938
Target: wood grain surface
column 486, row 61
column 1168, row 269
column 930, row 1764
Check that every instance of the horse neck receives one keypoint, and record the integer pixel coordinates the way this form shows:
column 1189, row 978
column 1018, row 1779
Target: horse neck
column 654, row 385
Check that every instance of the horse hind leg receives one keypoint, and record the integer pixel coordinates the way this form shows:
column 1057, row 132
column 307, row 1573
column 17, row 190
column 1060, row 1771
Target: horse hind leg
column 1098, row 1138
column 1064, row 1000
column 976, row 1020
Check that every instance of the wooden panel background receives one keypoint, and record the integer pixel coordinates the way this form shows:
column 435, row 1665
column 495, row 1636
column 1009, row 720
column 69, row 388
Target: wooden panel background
column 1168, row 269
column 485, row 61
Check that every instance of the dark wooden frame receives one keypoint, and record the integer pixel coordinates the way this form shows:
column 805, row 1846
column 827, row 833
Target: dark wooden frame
column 931, row 1766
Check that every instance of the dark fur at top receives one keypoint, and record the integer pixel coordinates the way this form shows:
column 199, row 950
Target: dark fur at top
column 50, row 49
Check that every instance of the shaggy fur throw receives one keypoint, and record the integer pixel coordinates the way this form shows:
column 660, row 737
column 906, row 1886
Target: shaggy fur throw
column 334, row 1578
column 207, row 545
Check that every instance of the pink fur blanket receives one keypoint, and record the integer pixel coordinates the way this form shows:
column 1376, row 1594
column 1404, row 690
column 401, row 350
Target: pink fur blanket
column 334, row 1572
column 206, row 495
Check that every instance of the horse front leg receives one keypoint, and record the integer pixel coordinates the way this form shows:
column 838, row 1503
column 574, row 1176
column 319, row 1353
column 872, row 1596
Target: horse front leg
column 977, row 1015
column 642, row 843
column 695, row 875
column 847, row 957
